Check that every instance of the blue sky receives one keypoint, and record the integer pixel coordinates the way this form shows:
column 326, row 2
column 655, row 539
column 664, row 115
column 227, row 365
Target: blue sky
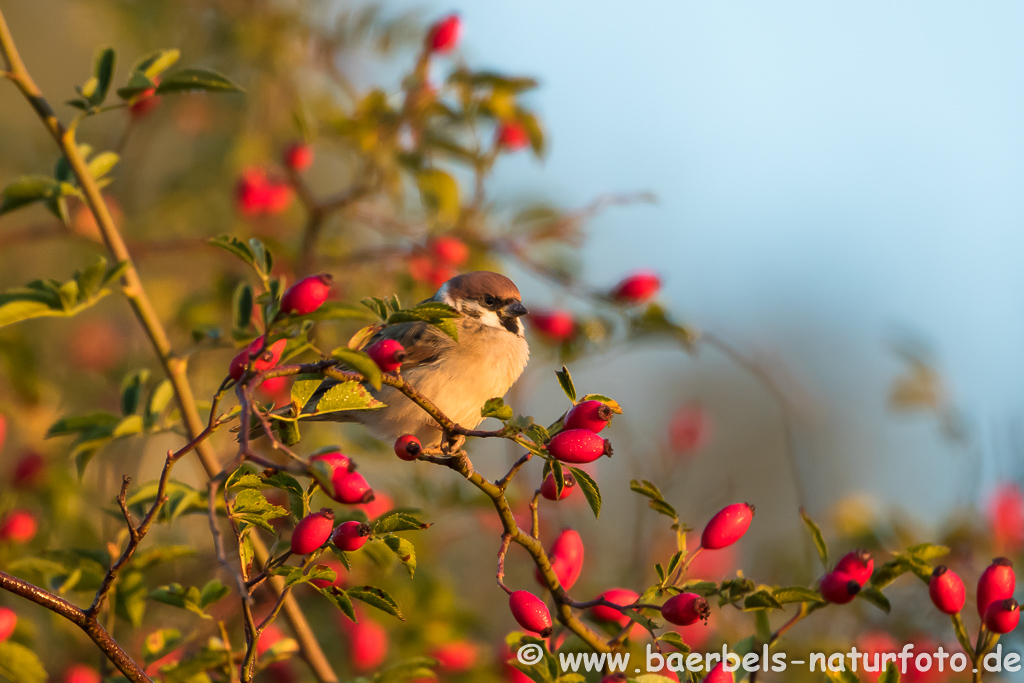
column 827, row 173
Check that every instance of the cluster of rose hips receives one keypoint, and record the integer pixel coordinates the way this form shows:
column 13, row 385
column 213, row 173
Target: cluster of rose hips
column 558, row 325
column 998, row 610
column 842, row 584
column 347, row 486
column 439, row 261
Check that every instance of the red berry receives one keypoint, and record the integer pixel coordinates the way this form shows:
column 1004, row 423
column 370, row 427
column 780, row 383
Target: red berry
column 278, row 196
column 8, row 620
column 578, row 446
column 566, row 559
column 1006, row 516
column 367, row 643
column 997, row 582
column 512, row 136
column 530, row 612
column 1002, row 616
column 719, row 675
column 685, row 609
column 350, row 536
column 312, row 531
column 18, row 526
column 339, row 575
column 28, row 471
column 408, row 447
column 251, row 191
column 946, row 590
column 306, row 295
column 388, row 354
column 298, row 156
column 351, row 488
column 266, row 360
column 457, row 656
column 839, row 587
column 616, row 596
column 444, row 35
column 145, row 102
column 276, row 389
column 636, row 288
column 450, row 250
column 81, row 673
column 727, row 526
column 592, row 415
column 550, row 491
column 858, row 564
column 555, row 325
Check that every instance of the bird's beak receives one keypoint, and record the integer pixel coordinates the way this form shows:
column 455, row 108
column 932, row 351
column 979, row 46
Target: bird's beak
column 514, row 310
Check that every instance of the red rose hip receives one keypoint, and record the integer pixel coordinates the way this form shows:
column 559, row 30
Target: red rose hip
column 530, row 612
column 727, row 526
column 555, row 325
column 839, row 587
column 512, row 136
column 408, row 447
column 266, row 360
column 685, row 609
column 550, row 491
column 578, row 446
column 636, row 288
column 997, row 582
column 312, row 531
column 858, row 564
column 388, row 354
column 616, row 596
column 81, row 673
column 298, row 156
column 450, row 250
column 718, row 675
column 444, row 35
column 592, row 415
column 306, row 295
column 946, row 590
column 1002, row 616
column 349, row 536
column 8, row 620
column 566, row 559
column 351, row 488
column 18, row 526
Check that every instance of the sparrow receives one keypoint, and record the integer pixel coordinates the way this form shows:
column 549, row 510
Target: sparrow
column 457, row 376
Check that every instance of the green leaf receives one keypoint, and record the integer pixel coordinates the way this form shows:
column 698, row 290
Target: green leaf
column 590, row 490
column 927, row 552
column 891, row 674
column 876, row 598
column 844, row 676
column 83, row 423
column 376, row 597
column 91, row 278
column 235, row 246
column 155, row 63
column 252, row 507
column 346, row 396
column 791, row 594
column 377, row 306
column 213, row 591
column 360, row 362
column 159, row 398
column 890, row 571
column 404, row 551
column 264, row 261
column 18, row 664
column 819, row 540
column 761, row 599
column 195, row 79
column 675, row 640
column 289, row 484
column 241, row 307
column 700, row 587
column 159, row 643
column 495, row 407
column 303, row 390
column 103, row 72
column 101, row 164
column 26, row 190
column 397, row 520
column 565, row 380
column 131, row 391
column 340, row 600
column 440, row 194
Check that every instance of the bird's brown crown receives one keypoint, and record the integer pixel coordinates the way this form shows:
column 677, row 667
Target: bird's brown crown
column 476, row 285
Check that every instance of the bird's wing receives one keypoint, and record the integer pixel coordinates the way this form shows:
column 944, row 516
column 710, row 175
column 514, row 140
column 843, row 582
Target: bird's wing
column 422, row 341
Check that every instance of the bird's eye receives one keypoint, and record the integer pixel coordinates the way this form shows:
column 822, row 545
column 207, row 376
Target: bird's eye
column 489, row 300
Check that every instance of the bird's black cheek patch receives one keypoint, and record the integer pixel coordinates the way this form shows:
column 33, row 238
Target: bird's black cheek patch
column 510, row 324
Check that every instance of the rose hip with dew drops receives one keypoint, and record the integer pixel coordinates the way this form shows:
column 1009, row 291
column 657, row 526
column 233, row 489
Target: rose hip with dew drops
column 997, row 582
column 349, row 536
column 578, row 446
column 858, row 564
column 307, row 295
column 839, row 587
column 388, row 354
column 591, row 415
column 312, row 531
column 727, row 526
column 946, row 590
column 550, row 491
column 530, row 612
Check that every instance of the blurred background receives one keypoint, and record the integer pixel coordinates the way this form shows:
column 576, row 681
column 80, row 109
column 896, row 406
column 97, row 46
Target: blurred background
column 829, row 194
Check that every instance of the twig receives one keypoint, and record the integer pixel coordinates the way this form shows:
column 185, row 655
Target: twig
column 506, row 539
